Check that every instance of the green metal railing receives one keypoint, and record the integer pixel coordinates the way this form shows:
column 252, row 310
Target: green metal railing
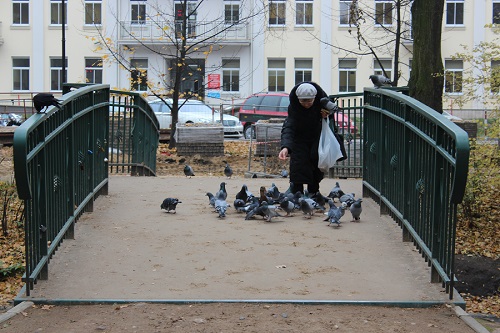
column 62, row 162
column 415, row 167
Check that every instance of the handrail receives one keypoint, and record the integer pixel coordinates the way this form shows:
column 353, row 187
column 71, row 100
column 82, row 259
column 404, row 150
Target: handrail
column 415, row 165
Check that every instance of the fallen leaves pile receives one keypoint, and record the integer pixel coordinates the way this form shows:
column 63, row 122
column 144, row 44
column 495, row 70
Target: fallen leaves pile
column 482, row 239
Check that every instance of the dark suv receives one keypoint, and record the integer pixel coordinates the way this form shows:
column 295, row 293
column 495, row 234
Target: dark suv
column 275, row 105
column 262, row 106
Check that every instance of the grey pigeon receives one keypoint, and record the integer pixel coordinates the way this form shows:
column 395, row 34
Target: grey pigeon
column 273, row 192
column 336, row 192
column 188, row 171
column 250, row 207
column 239, row 205
column 287, row 206
column 284, row 173
column 170, row 204
column 356, row 210
column 306, row 208
column 244, row 193
column 221, row 204
column 211, row 199
column 228, row 172
column 269, row 211
column 348, row 198
column 335, row 213
column 222, row 190
column 380, row 81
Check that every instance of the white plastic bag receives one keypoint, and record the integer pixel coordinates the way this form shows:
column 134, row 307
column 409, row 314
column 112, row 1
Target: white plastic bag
column 328, row 149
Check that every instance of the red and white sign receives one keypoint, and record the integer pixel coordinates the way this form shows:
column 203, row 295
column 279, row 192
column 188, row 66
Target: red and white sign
column 213, row 81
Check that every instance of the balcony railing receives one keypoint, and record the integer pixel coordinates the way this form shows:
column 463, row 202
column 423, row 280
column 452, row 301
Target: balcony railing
column 167, row 31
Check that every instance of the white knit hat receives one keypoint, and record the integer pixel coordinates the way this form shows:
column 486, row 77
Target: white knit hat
column 306, row 91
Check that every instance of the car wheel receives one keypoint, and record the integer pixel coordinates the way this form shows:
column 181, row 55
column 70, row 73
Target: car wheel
column 249, row 132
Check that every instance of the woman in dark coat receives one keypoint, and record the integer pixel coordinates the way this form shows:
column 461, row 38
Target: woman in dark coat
column 300, row 136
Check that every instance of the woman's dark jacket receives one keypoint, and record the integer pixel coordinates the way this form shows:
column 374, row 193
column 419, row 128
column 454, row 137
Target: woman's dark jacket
column 300, row 134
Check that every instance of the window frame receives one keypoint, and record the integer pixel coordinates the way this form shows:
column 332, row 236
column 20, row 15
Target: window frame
column 304, row 72
column 387, row 63
column 495, row 77
column 95, row 67
column 276, row 74
column 346, row 70
column 345, row 13
column 57, row 69
column 231, row 12
column 277, row 7
column 456, row 74
column 20, row 4
column 141, row 73
column 303, row 13
column 191, row 19
column 58, row 20
column 22, row 72
column 495, row 5
column 384, row 12
column 455, row 4
column 93, row 4
column 233, row 73
column 136, row 9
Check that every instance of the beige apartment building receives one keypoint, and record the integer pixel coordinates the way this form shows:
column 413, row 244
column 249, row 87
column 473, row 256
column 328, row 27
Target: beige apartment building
column 244, row 46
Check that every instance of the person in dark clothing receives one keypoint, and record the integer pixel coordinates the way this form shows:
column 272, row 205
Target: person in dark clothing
column 300, row 136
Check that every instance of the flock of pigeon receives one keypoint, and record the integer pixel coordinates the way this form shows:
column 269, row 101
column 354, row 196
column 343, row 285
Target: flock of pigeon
column 270, row 202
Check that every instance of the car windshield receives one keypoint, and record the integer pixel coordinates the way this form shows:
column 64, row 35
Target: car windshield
column 195, row 108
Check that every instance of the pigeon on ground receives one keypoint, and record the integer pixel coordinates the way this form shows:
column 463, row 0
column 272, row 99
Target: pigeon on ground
column 380, row 81
column 287, row 206
column 44, row 100
column 228, row 172
column 222, row 193
column 273, row 192
column 239, row 205
column 263, row 196
column 244, row 193
column 269, row 211
column 284, row 173
column 306, row 208
column 319, row 198
column 221, row 204
column 335, row 213
column 356, row 210
column 188, row 171
column 252, row 205
column 348, row 198
column 211, row 199
column 336, row 192
column 170, row 204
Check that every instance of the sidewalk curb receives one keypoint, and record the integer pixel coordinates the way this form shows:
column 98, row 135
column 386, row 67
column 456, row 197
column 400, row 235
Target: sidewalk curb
column 470, row 321
column 15, row 310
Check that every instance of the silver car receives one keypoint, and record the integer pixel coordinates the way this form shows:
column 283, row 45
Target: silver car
column 193, row 111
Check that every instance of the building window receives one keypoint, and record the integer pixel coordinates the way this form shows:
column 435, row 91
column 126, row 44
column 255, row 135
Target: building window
column 496, row 12
column 276, row 74
column 20, row 12
column 56, row 74
column 139, row 74
column 346, row 14
column 383, row 12
column 21, row 74
column 56, row 13
column 93, row 70
column 231, row 12
column 303, row 70
column 138, row 13
column 277, row 12
column 387, row 65
column 231, row 74
column 179, row 12
column 93, row 12
column 495, row 77
column 453, row 76
column 454, row 12
column 347, row 75
column 304, row 12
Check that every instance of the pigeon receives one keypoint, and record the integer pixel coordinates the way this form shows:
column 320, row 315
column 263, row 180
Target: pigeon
column 335, row 213
column 250, row 208
column 244, row 193
column 170, row 204
column 319, row 198
column 287, row 206
column 44, row 100
column 356, row 210
column 239, row 205
column 222, row 193
column 306, row 209
column 336, row 192
column 348, row 198
column 228, row 172
column 269, row 211
column 221, row 204
column 211, row 199
column 380, row 81
column 284, row 173
column 263, row 196
column 188, row 171
column 273, row 192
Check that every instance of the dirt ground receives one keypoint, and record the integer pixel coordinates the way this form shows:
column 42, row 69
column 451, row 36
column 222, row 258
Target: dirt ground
column 241, row 317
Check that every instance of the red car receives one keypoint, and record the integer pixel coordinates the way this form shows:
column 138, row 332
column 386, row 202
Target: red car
column 275, row 105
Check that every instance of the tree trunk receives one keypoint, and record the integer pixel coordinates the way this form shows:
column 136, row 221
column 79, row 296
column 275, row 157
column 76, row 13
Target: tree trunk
column 426, row 80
